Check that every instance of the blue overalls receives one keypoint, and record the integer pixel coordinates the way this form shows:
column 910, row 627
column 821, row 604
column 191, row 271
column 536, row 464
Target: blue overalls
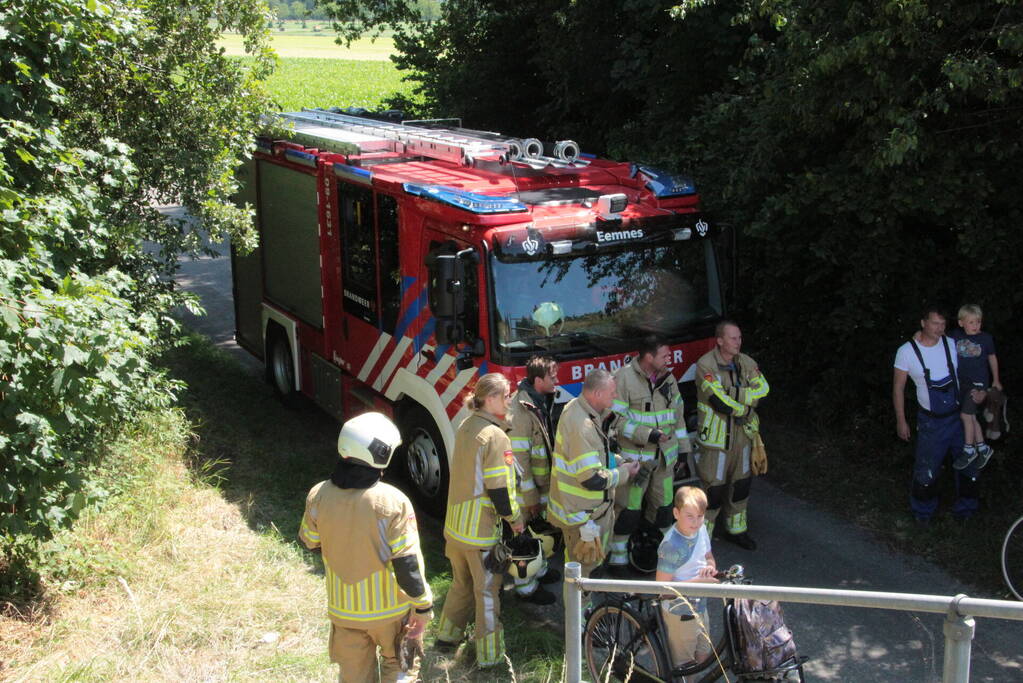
column 940, row 436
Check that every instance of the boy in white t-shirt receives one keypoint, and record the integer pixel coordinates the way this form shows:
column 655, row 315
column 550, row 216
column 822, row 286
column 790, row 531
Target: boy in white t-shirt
column 684, row 555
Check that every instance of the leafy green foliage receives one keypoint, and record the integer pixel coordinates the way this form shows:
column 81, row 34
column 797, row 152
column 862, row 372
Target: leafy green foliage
column 867, row 153
column 105, row 109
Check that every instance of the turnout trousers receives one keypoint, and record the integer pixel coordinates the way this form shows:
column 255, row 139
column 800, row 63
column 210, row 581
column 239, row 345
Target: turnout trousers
column 355, row 649
column 726, row 477
column 474, row 593
column 632, row 503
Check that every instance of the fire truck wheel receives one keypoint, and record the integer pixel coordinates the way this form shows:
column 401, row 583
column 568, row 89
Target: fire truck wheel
column 425, row 461
column 281, row 368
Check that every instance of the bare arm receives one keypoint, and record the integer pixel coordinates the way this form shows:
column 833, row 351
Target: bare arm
column 992, row 361
column 899, row 403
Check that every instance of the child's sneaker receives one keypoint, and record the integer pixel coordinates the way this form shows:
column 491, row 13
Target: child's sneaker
column 963, row 460
column 984, row 453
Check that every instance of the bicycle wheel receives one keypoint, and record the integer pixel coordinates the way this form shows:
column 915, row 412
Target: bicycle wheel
column 618, row 646
column 1012, row 559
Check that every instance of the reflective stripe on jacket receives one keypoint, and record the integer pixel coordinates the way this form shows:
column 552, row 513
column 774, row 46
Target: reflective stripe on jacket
column 482, row 461
column 642, row 407
column 580, row 452
column 531, row 444
column 360, row 531
column 723, row 394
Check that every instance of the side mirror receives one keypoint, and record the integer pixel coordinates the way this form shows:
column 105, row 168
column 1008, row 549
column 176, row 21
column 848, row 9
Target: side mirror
column 467, row 353
column 447, row 274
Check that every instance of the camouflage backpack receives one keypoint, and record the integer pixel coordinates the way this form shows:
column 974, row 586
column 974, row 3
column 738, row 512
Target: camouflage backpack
column 764, row 642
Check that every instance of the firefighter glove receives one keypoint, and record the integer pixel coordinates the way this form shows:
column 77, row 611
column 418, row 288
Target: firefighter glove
column 759, row 459
column 588, row 552
column 642, row 477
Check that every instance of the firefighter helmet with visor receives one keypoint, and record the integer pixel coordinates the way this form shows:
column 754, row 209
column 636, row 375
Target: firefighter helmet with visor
column 526, row 556
column 370, row 438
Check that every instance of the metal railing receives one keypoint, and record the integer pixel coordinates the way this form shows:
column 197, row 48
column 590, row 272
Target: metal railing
column 959, row 611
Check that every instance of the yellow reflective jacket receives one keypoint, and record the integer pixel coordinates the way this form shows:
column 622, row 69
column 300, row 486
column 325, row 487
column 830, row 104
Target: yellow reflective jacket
column 643, row 406
column 581, row 452
column 360, row 531
column 482, row 462
column 726, row 395
column 531, row 444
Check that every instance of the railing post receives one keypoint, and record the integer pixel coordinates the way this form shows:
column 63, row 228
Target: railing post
column 573, row 623
column 959, row 630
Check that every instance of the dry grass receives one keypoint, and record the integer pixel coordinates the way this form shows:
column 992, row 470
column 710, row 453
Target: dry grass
column 195, row 595
column 176, row 579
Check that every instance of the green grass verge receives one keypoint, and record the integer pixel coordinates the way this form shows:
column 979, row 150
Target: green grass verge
column 193, row 571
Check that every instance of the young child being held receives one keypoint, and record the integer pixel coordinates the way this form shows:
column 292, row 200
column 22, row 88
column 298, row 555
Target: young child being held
column 684, row 555
column 978, row 371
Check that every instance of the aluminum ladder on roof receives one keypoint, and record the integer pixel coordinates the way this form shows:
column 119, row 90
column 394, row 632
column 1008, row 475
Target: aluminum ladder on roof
column 427, row 142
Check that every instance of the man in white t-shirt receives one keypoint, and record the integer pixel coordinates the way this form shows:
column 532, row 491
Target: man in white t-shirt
column 929, row 359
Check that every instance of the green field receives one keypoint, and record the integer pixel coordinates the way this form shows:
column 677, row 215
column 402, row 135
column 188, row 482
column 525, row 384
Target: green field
column 315, row 41
column 314, row 71
column 301, row 83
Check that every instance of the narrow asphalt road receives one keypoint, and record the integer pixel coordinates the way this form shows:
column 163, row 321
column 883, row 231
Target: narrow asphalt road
column 799, row 546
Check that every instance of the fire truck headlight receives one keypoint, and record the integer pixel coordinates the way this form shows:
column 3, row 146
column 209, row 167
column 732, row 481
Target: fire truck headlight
column 682, row 234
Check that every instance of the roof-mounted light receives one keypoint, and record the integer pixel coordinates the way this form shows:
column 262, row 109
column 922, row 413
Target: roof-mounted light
column 468, row 201
column 610, row 205
column 663, row 184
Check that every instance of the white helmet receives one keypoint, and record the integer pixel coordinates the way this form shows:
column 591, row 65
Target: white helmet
column 526, row 557
column 547, row 541
column 370, row 438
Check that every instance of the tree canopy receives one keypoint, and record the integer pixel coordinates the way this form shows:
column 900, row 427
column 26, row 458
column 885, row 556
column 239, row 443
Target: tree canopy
column 867, row 152
column 107, row 109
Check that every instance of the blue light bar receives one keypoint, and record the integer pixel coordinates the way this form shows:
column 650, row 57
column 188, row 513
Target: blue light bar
column 359, row 175
column 468, row 201
column 664, row 184
column 300, row 157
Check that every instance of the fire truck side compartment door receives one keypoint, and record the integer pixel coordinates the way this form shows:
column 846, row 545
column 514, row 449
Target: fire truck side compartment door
column 247, row 274
column 290, row 237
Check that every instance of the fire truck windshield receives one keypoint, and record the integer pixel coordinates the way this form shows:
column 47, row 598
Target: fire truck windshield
column 599, row 303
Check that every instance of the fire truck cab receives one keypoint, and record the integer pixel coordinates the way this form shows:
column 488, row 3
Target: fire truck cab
column 399, row 261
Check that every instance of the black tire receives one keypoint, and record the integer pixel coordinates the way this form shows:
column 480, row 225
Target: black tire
column 424, row 460
column 618, row 647
column 1012, row 558
column 280, row 366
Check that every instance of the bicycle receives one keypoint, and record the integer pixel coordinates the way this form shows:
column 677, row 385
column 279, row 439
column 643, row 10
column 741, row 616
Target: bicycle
column 1012, row 558
column 624, row 640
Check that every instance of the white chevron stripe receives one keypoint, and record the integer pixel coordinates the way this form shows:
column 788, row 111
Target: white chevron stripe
column 440, row 369
column 456, row 386
column 396, row 355
column 374, row 356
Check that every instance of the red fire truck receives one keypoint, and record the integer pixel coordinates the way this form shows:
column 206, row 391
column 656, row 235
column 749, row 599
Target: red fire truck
column 399, row 261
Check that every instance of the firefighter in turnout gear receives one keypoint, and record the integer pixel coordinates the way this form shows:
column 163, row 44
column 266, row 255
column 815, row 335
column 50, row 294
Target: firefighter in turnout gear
column 530, row 417
column 377, row 595
column 584, row 473
column 650, row 428
column 481, row 494
column 728, row 387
